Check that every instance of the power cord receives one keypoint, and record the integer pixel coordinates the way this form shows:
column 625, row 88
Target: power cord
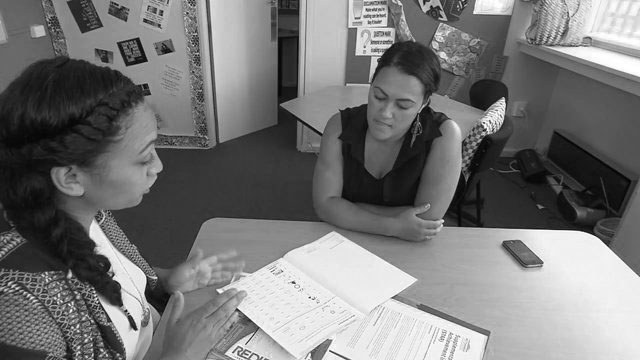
column 512, row 169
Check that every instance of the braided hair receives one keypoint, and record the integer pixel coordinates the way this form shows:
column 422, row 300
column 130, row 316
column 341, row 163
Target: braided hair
column 60, row 112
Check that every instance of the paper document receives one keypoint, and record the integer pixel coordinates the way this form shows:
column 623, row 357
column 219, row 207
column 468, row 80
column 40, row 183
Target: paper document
column 317, row 290
column 399, row 331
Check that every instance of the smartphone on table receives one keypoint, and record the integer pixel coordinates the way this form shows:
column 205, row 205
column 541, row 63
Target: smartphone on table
column 522, row 253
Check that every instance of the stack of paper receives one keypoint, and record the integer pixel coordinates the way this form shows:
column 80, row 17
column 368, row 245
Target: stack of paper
column 334, row 289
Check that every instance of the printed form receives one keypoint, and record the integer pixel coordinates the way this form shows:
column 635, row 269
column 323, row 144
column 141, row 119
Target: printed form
column 402, row 332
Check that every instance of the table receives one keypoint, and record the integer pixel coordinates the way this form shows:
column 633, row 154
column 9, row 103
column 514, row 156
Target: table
column 584, row 303
column 315, row 109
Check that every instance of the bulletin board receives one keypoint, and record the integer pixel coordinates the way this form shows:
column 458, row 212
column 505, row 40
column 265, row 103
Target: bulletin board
column 156, row 43
column 490, row 28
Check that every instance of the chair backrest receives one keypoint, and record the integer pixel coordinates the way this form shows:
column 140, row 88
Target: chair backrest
column 483, row 93
column 489, row 151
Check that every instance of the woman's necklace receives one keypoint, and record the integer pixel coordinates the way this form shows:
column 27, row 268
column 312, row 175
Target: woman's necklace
column 146, row 311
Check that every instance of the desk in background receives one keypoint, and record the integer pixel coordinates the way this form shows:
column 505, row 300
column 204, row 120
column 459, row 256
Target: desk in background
column 315, row 109
column 584, row 303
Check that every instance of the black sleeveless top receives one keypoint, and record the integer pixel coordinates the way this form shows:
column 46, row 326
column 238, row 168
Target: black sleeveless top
column 400, row 185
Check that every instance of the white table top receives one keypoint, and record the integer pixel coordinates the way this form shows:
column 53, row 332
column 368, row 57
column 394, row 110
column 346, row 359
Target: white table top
column 316, row 108
column 584, row 303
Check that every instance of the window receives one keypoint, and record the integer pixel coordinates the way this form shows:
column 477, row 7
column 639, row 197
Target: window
column 616, row 25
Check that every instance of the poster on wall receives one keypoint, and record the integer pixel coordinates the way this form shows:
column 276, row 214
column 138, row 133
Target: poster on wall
column 443, row 10
column 368, row 13
column 118, row 11
column 171, row 82
column 85, row 15
column 132, row 51
column 154, row 14
column 458, row 51
column 374, row 41
column 104, row 56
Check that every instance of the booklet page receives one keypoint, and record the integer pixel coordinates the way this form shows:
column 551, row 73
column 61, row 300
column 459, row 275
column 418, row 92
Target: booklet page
column 293, row 309
column 356, row 275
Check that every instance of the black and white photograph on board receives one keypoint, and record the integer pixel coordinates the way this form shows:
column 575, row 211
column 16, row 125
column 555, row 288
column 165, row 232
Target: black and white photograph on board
column 119, row 11
column 104, row 56
column 164, row 47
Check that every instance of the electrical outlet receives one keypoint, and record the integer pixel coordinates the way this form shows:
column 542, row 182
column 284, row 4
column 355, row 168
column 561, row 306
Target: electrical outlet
column 519, row 109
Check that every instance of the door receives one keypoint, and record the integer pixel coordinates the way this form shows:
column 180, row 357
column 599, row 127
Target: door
column 245, row 58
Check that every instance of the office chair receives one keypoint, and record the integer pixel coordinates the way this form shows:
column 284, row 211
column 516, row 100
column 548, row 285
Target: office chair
column 482, row 94
column 468, row 191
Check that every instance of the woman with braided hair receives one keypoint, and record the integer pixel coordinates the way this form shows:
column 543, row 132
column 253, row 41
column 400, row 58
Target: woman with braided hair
column 77, row 140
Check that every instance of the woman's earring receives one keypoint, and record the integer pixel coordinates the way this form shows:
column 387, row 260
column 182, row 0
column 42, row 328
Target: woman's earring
column 416, row 129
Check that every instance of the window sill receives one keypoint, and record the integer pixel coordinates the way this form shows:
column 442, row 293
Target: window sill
column 614, row 69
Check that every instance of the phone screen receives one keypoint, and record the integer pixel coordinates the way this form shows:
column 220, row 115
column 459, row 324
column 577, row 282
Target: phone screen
column 522, row 253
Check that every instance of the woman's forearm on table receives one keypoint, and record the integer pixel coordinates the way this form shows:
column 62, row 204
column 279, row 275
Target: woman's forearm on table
column 347, row 215
column 388, row 211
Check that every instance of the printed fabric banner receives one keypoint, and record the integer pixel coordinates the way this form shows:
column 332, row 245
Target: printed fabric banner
column 458, row 51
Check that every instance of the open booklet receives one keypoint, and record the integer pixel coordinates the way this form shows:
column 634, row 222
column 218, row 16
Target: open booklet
column 410, row 331
column 317, row 290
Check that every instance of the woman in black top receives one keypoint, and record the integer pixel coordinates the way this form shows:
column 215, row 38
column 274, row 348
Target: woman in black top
column 391, row 166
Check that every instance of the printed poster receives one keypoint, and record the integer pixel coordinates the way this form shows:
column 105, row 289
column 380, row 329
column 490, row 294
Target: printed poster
column 103, row 56
column 374, row 41
column 164, row 47
column 85, row 15
column 443, row 10
column 458, row 51
column 171, row 80
column 154, row 14
column 493, row 7
column 118, row 11
column 132, row 51
column 145, row 89
column 368, row 13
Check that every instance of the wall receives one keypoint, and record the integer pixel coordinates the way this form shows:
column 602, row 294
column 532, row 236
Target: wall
column 21, row 50
column 491, row 28
column 326, row 43
column 323, row 57
column 529, row 80
column 626, row 243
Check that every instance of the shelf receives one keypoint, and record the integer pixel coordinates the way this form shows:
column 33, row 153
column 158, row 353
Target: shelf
column 614, row 69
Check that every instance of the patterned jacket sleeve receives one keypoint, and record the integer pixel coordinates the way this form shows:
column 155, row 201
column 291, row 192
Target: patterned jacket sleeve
column 27, row 330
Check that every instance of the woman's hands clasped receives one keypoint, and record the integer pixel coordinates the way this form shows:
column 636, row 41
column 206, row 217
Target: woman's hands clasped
column 192, row 336
column 413, row 228
column 199, row 271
